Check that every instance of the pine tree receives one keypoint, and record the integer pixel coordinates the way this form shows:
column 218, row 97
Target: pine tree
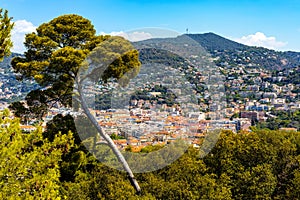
column 54, row 56
column 30, row 164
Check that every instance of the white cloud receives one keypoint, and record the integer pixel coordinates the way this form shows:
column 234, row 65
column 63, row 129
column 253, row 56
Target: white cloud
column 131, row 36
column 261, row 40
column 21, row 28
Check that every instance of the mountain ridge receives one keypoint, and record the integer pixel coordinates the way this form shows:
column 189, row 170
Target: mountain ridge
column 210, row 36
column 228, row 52
column 236, row 53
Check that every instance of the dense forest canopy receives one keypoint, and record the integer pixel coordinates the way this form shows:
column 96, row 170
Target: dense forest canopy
column 260, row 165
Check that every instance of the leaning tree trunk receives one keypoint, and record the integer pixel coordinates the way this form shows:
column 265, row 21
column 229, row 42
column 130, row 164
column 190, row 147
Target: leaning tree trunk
column 110, row 142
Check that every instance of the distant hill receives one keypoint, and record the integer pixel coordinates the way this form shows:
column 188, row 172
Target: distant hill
column 212, row 42
column 231, row 53
column 235, row 53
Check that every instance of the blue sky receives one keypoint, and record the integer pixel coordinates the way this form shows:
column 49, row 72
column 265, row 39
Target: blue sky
column 270, row 23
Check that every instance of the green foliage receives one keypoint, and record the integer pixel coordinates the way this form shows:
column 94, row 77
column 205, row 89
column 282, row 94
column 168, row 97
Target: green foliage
column 57, row 51
column 116, row 137
column 6, row 26
column 101, row 183
column 151, row 148
column 114, row 58
column 187, row 178
column 29, row 163
column 54, row 54
column 259, row 165
column 62, row 124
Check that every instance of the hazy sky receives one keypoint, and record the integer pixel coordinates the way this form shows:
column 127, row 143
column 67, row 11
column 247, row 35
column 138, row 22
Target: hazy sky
column 270, row 23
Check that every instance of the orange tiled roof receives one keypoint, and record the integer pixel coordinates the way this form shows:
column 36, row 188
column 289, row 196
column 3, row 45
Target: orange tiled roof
column 136, row 148
column 162, row 133
column 27, row 127
column 123, row 141
column 133, row 141
column 107, row 123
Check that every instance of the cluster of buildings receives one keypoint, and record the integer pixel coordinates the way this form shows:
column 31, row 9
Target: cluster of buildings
column 260, row 90
column 250, row 98
column 235, row 98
